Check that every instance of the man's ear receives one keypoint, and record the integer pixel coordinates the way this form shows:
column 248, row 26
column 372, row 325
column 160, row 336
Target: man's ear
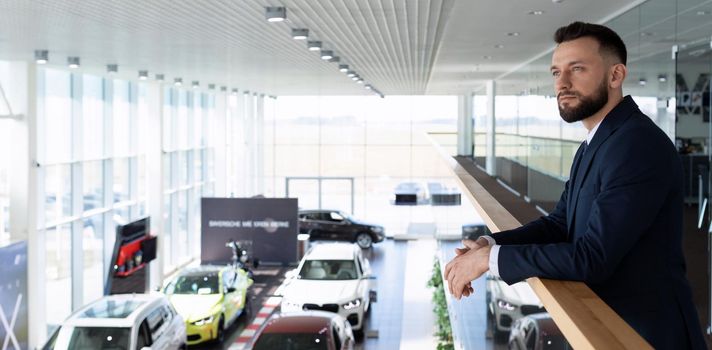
column 618, row 72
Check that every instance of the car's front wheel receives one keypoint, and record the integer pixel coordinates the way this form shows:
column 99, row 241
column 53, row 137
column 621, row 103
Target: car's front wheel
column 364, row 240
column 220, row 337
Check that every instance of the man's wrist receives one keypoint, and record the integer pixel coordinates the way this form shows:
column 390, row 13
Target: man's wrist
column 486, row 240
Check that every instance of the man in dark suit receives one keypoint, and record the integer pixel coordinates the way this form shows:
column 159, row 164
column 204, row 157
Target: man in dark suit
column 618, row 224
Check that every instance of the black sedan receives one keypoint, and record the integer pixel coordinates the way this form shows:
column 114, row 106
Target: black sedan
column 335, row 225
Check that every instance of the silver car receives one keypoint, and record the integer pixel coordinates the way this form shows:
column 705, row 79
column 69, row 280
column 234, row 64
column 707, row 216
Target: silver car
column 126, row 322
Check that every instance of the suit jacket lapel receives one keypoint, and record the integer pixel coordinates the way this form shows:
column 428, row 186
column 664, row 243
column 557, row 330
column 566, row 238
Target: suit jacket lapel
column 610, row 123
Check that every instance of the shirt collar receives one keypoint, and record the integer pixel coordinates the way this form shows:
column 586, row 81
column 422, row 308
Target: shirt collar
column 592, row 132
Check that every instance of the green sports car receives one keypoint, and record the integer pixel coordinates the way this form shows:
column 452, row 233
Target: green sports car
column 209, row 298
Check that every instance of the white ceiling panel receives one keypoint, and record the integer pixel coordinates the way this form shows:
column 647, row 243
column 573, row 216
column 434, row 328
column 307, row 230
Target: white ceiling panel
column 398, row 46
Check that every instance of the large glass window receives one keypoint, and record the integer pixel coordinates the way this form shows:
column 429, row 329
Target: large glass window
column 93, row 185
column 376, row 145
column 93, row 240
column 5, row 181
column 121, row 118
column 93, row 117
column 58, row 272
column 121, row 180
column 58, row 192
column 57, row 117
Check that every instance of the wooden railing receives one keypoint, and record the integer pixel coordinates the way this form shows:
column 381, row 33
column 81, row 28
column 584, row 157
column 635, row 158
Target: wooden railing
column 584, row 319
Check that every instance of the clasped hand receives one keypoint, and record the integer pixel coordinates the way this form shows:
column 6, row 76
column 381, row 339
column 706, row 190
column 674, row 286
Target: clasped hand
column 469, row 263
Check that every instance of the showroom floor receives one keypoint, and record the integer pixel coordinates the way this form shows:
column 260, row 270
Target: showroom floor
column 390, row 325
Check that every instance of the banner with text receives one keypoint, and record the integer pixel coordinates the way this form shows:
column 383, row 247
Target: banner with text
column 265, row 227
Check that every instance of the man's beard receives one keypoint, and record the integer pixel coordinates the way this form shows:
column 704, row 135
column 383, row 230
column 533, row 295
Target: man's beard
column 588, row 105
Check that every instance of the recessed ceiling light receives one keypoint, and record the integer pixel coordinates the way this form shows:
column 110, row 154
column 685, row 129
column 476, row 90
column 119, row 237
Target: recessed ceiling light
column 223, row 88
column 234, row 91
column 160, row 77
column 513, row 34
column 344, row 68
column 499, row 46
column 276, row 14
column 143, row 75
column 314, row 45
column 703, row 13
column 300, row 33
column 178, row 81
column 73, row 62
column 211, row 86
column 487, row 57
column 351, row 74
column 335, row 59
column 642, row 82
column 112, row 68
column 196, row 84
column 662, row 78
column 536, row 12
column 41, row 56
column 327, row 54
column 557, row 1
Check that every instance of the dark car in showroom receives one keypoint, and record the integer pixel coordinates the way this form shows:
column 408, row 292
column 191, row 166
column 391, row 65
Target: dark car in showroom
column 474, row 230
column 536, row 332
column 335, row 225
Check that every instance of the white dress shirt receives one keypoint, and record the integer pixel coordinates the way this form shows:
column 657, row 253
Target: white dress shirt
column 494, row 252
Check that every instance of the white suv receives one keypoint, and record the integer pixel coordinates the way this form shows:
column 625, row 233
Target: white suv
column 506, row 304
column 122, row 322
column 333, row 277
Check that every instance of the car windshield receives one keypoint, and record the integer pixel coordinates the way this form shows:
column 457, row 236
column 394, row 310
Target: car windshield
column 328, row 270
column 194, row 284
column 291, row 341
column 111, row 338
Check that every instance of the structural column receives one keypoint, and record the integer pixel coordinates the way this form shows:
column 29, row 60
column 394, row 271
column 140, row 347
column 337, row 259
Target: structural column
column 491, row 163
column 464, row 125
column 154, row 174
column 218, row 127
column 26, row 188
column 258, row 174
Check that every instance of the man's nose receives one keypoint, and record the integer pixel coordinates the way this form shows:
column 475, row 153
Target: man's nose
column 562, row 82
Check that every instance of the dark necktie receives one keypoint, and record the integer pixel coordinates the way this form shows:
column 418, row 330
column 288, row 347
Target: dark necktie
column 578, row 162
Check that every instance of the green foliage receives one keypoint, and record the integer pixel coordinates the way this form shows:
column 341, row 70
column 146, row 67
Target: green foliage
column 444, row 330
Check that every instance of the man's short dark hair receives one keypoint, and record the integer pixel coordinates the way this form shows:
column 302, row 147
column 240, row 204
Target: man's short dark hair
column 610, row 43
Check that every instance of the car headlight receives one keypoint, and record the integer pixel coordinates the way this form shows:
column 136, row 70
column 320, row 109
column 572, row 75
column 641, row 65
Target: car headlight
column 506, row 305
column 376, row 229
column 203, row 321
column 352, row 304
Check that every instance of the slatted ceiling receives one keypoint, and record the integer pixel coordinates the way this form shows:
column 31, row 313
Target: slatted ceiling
column 399, row 46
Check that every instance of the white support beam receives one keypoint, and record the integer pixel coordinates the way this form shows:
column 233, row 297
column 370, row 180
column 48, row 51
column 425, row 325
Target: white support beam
column 464, row 125
column 491, row 162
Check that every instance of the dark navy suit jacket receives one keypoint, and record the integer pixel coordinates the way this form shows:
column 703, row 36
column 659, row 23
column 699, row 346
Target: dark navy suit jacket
column 618, row 228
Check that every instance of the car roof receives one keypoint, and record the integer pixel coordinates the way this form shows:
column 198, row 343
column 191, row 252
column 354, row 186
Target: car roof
column 201, row 270
column 308, row 211
column 120, row 310
column 299, row 322
column 332, row 251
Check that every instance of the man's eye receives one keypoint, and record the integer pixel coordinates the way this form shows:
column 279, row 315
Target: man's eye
column 577, row 69
column 555, row 73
